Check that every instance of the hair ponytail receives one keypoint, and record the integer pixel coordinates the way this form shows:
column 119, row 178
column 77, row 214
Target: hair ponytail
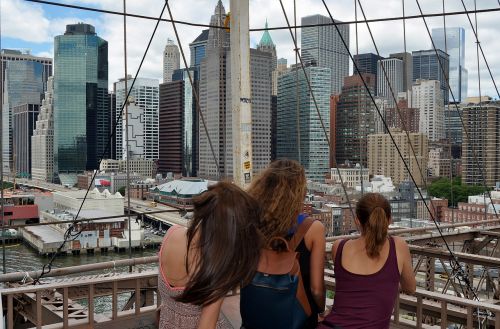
column 375, row 232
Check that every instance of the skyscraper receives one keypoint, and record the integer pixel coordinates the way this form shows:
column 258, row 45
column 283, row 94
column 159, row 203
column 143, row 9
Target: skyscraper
column 266, row 44
column 81, row 101
column 7, row 55
column 426, row 67
column 24, row 83
column 215, row 101
column 24, row 118
column 178, row 122
column 428, row 98
column 306, row 130
column 171, row 60
column 42, row 141
column 454, row 45
column 483, row 142
column 367, row 63
column 356, row 116
column 393, row 83
column 323, row 45
column 198, row 49
column 145, row 95
column 407, row 69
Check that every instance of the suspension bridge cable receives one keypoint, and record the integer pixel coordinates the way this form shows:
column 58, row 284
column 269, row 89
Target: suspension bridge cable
column 387, row 19
column 69, row 235
column 441, row 66
column 193, row 87
column 308, row 81
column 459, row 269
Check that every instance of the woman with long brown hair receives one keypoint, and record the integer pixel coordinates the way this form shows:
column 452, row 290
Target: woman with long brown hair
column 369, row 270
column 217, row 253
column 281, row 190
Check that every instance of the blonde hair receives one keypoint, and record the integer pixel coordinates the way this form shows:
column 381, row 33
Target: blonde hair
column 280, row 189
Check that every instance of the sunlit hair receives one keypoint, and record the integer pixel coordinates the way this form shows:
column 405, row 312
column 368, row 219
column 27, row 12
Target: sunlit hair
column 225, row 237
column 280, row 189
column 373, row 212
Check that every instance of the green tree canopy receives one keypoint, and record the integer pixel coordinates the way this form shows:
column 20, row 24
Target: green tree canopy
column 442, row 188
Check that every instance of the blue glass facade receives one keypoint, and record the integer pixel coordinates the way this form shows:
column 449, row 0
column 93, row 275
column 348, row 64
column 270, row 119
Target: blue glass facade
column 426, row 66
column 81, row 103
column 314, row 151
column 453, row 43
column 198, row 49
column 24, row 84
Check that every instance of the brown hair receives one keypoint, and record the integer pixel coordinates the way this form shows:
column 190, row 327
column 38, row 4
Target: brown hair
column 280, row 189
column 224, row 235
column 373, row 212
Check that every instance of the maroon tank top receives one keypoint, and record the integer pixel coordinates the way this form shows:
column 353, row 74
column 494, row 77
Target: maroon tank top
column 364, row 301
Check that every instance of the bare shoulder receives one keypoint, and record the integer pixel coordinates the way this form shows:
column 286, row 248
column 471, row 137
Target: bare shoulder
column 317, row 227
column 400, row 242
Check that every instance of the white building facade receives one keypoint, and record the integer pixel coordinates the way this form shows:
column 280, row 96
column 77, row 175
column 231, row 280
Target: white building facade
column 42, row 141
column 145, row 95
column 427, row 97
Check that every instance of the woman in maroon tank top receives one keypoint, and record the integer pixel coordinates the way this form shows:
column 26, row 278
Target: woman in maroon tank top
column 369, row 270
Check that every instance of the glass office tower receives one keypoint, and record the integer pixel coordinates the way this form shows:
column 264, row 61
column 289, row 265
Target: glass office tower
column 314, row 151
column 24, row 84
column 81, row 103
column 454, row 45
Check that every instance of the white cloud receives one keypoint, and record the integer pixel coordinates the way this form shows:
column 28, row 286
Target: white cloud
column 24, row 21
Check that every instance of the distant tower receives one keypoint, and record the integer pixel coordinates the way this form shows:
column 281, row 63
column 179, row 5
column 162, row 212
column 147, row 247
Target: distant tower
column 266, row 44
column 323, row 45
column 171, row 60
column 455, row 47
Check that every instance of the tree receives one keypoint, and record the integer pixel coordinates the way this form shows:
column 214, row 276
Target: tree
column 122, row 190
column 442, row 188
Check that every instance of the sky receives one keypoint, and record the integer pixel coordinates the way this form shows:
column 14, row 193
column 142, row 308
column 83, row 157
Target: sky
column 27, row 25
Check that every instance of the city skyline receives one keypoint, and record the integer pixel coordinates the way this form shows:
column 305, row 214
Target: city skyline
column 51, row 21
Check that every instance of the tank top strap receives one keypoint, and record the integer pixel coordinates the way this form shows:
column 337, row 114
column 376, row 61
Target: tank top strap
column 392, row 259
column 338, row 255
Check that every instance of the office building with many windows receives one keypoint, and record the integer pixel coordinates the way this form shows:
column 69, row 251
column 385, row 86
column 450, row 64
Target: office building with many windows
column 480, row 150
column 323, row 45
column 427, row 96
column 81, row 103
column 145, row 95
column 302, row 138
column 390, row 83
column 429, row 66
column 355, row 119
column 24, row 83
column 178, row 122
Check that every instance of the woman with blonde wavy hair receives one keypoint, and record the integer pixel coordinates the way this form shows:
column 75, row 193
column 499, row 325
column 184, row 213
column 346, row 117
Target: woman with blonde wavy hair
column 281, row 190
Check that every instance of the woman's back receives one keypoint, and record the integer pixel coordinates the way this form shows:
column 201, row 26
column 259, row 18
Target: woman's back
column 364, row 295
column 171, row 280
